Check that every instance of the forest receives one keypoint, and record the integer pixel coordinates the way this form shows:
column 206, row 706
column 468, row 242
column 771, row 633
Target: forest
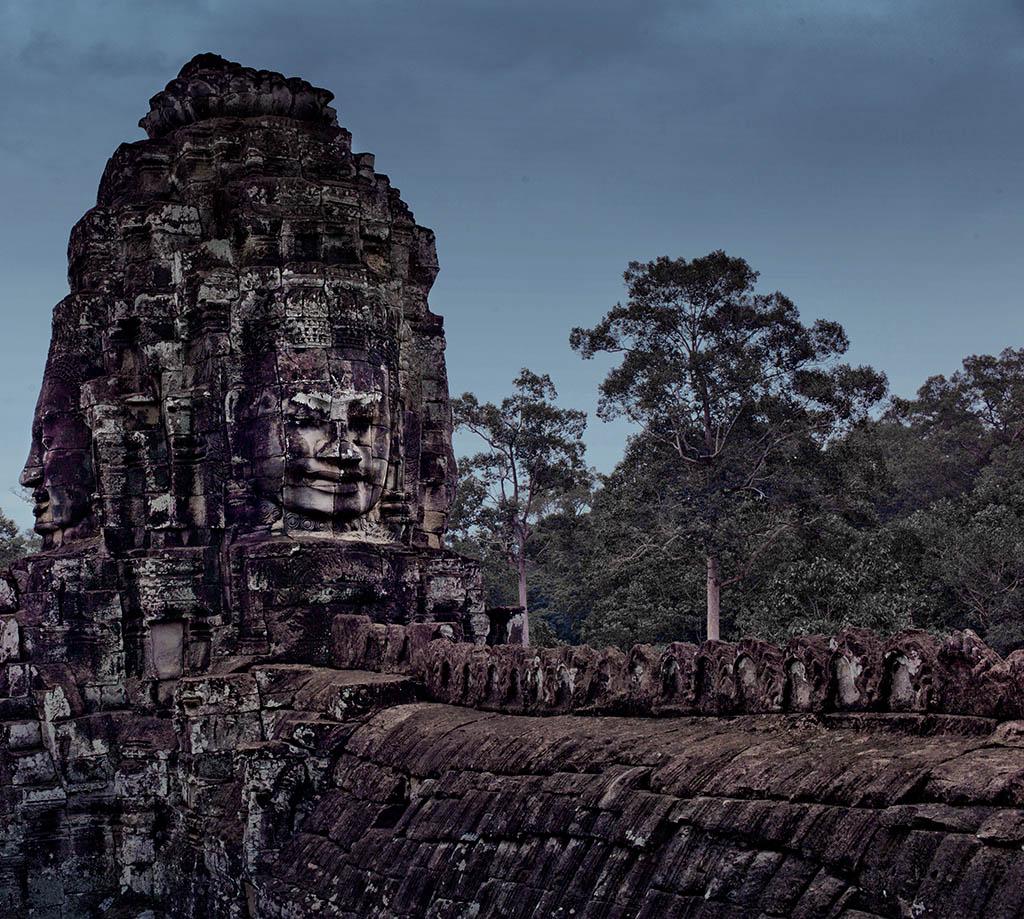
column 769, row 490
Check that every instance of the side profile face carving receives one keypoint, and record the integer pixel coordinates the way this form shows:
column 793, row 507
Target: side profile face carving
column 320, row 449
column 59, row 466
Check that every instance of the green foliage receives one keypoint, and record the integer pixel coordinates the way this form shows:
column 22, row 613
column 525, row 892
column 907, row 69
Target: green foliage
column 705, row 359
column 831, row 577
column 755, row 445
column 738, row 392
column 533, row 458
column 499, row 578
column 604, row 580
column 975, row 409
column 974, row 552
column 958, row 422
column 14, row 543
column 893, row 471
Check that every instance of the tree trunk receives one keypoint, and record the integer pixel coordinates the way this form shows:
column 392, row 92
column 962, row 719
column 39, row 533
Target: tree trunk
column 521, row 566
column 714, row 597
column 714, row 584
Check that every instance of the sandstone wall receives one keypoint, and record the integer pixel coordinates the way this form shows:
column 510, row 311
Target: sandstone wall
column 843, row 777
column 442, row 812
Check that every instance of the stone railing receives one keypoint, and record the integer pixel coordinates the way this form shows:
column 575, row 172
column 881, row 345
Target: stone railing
column 854, row 671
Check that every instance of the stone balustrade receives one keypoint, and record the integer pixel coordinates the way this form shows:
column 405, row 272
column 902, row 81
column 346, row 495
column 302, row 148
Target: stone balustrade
column 854, row 671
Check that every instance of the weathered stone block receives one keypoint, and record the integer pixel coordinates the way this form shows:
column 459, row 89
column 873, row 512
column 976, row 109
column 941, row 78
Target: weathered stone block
column 22, row 735
column 33, row 768
column 855, row 670
column 167, row 651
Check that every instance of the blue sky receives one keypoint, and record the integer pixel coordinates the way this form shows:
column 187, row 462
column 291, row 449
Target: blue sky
column 864, row 156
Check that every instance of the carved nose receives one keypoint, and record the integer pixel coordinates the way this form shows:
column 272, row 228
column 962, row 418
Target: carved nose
column 31, row 475
column 338, row 444
column 343, row 449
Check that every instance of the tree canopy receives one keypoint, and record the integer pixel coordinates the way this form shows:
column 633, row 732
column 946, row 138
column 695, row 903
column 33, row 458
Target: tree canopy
column 759, row 475
column 14, row 543
column 534, row 455
column 740, row 392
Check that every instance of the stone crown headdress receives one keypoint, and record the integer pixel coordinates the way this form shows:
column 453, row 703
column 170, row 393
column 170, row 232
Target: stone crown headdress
column 209, row 86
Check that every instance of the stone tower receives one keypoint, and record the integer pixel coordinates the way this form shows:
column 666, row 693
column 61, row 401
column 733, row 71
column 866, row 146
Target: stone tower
column 247, row 343
column 243, row 431
column 244, row 418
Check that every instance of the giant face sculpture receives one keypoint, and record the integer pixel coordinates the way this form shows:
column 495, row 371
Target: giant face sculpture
column 336, row 447
column 59, row 466
column 320, row 448
column 249, row 326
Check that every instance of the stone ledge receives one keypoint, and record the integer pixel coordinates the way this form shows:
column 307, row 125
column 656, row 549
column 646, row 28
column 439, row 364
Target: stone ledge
column 855, row 671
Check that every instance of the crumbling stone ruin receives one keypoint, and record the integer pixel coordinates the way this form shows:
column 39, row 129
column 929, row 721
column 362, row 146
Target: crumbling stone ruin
column 244, row 678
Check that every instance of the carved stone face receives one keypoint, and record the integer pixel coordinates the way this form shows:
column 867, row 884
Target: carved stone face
column 320, row 449
column 59, row 466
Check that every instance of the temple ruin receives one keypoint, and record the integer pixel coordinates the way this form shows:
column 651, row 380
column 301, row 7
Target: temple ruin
column 245, row 678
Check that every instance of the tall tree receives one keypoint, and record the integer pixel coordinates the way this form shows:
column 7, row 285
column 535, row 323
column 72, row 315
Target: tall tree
column 534, row 455
column 737, row 388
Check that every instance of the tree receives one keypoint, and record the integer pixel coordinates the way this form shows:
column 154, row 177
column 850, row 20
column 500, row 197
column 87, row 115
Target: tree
column 833, row 575
column 534, row 455
column 973, row 559
column 633, row 579
column 740, row 392
column 965, row 417
column 955, row 454
column 978, row 407
column 464, row 538
column 562, row 560
column 13, row 543
column 897, row 470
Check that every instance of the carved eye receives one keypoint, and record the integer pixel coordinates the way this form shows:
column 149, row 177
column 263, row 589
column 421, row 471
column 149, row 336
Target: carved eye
column 47, row 442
